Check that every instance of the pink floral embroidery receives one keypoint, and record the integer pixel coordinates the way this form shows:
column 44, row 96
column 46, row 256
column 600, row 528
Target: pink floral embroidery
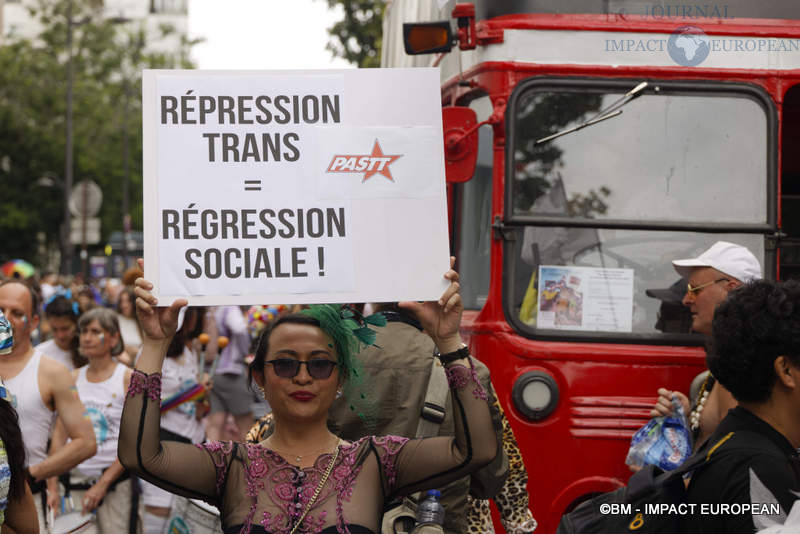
column 390, row 446
column 458, row 377
column 285, row 492
column 218, row 451
column 266, row 521
column 341, row 472
column 478, row 392
column 258, row 465
column 268, row 477
column 144, row 383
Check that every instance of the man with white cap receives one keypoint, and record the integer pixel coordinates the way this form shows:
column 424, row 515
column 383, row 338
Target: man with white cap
column 710, row 276
column 721, row 268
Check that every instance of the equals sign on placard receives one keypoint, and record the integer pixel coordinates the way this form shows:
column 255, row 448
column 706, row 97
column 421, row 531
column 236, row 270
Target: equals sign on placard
column 252, row 185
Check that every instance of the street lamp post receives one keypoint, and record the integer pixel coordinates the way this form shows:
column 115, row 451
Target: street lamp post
column 126, row 165
column 66, row 243
column 126, row 179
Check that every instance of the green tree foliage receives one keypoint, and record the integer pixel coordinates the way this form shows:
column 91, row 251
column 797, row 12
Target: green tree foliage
column 108, row 59
column 357, row 38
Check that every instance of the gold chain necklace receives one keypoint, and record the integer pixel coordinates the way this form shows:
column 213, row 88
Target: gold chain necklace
column 319, row 487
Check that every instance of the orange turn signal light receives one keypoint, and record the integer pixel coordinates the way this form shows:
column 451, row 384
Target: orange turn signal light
column 427, row 37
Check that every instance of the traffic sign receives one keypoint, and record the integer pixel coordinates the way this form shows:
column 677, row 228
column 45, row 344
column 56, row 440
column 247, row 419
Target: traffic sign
column 86, row 198
column 92, row 231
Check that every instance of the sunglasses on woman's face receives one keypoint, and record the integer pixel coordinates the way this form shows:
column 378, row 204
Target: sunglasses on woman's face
column 318, row 368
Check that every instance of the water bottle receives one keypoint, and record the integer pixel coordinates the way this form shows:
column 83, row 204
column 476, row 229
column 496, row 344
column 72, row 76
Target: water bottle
column 430, row 510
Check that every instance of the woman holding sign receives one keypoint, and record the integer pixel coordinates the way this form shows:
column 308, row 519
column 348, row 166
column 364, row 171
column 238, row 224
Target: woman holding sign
column 303, row 478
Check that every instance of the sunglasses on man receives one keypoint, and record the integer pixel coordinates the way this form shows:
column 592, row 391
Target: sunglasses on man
column 318, row 368
column 696, row 290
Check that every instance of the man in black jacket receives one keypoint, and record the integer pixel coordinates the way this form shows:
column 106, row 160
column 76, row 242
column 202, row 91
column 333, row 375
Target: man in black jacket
column 754, row 352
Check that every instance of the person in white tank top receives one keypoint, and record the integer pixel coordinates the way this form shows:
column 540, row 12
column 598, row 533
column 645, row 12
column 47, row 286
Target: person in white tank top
column 39, row 387
column 100, row 484
column 61, row 314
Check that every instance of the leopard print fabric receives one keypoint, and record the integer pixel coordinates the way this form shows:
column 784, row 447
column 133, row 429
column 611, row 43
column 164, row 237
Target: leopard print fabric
column 260, row 430
column 512, row 500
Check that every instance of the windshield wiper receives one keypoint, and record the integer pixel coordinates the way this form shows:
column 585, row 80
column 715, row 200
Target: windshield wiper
column 609, row 112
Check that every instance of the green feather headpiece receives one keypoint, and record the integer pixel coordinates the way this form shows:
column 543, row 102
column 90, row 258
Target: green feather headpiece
column 349, row 330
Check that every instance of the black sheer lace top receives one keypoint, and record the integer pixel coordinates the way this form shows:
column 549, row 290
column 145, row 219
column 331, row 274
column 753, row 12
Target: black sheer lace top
column 258, row 491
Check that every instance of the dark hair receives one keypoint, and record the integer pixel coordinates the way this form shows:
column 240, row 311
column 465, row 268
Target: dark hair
column 35, row 300
column 15, row 449
column 183, row 334
column 756, row 324
column 108, row 322
column 61, row 306
column 131, row 297
column 262, row 347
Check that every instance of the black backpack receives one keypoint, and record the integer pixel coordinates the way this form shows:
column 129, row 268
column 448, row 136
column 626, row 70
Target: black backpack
column 643, row 505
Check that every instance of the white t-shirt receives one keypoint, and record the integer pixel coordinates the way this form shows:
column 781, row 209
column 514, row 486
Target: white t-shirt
column 103, row 402
column 176, row 375
column 49, row 348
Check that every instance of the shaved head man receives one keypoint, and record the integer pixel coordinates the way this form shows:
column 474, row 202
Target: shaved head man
column 40, row 388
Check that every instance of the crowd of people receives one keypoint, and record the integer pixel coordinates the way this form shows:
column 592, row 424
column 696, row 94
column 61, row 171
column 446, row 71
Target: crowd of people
column 75, row 359
column 124, row 402
column 67, row 374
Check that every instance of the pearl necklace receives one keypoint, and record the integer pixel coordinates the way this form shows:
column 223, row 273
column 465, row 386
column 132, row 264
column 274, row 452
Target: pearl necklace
column 702, row 397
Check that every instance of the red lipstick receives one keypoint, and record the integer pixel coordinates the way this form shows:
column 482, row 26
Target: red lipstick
column 302, row 396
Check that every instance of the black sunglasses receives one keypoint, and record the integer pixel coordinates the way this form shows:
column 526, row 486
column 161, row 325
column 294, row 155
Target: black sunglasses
column 318, row 368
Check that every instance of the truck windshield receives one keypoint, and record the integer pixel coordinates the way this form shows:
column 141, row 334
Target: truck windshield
column 656, row 183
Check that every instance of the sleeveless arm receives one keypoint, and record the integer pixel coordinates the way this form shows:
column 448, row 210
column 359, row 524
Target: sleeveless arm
column 413, row 465
column 72, row 414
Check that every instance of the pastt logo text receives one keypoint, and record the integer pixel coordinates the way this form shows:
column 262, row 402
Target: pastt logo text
column 370, row 164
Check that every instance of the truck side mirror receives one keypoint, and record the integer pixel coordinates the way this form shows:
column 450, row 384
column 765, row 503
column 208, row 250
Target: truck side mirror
column 460, row 143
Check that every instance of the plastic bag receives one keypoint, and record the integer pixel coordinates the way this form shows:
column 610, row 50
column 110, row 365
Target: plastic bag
column 664, row 441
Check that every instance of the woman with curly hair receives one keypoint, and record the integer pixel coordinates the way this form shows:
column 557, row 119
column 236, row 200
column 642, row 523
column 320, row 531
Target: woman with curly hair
column 755, row 354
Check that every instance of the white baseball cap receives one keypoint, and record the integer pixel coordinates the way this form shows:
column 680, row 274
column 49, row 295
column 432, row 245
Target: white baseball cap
column 728, row 258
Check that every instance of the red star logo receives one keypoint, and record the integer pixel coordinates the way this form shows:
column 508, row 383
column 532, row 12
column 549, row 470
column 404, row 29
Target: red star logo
column 383, row 163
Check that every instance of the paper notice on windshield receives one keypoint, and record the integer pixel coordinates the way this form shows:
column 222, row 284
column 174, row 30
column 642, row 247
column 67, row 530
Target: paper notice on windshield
column 585, row 298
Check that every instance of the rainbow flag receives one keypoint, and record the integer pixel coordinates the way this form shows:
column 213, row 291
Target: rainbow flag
column 192, row 393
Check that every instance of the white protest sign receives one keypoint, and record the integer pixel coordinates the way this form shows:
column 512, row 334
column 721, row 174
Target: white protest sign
column 294, row 186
